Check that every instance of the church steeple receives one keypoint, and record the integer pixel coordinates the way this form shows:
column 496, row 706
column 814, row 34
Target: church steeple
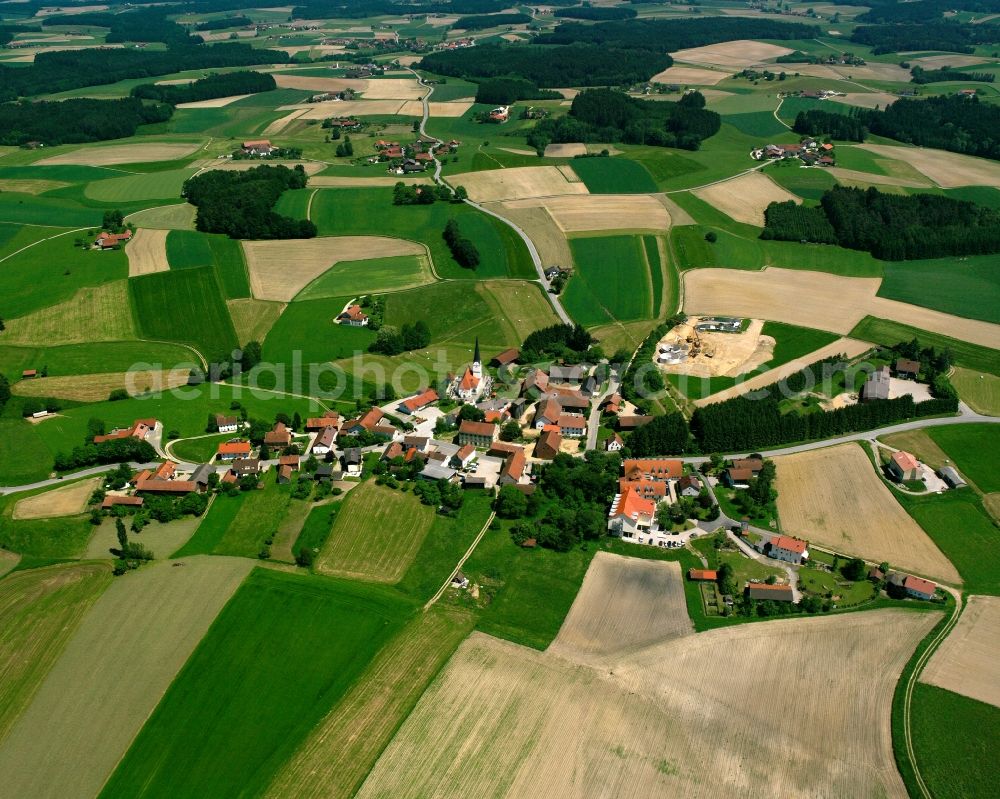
column 477, row 361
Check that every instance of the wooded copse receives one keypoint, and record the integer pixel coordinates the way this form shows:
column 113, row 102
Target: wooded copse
column 607, row 115
column 846, row 127
column 226, row 84
column 923, row 76
column 477, row 22
column 463, row 250
column 892, row 227
column 954, row 37
column 241, row 204
column 76, row 120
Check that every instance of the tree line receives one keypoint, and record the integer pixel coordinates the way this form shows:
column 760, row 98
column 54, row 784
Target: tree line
column 76, row 120
column 115, row 451
column 239, row 21
column 846, row 127
column 923, row 76
column 892, row 227
column 504, row 91
column 225, row 84
column 608, row 115
column 477, row 22
column 955, row 37
column 595, row 14
column 918, row 10
column 463, row 250
column 240, row 204
column 395, row 341
column 139, row 25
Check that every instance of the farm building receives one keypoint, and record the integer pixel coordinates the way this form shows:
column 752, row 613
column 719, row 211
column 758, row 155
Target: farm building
column 231, row 450
column 435, row 472
column 108, row 241
column 353, row 316
column 328, row 419
column 353, row 460
column 633, row 422
column 120, row 499
column 278, row 436
column 918, row 588
column 719, row 325
column 548, row 443
column 536, row 382
column 774, row 593
column 419, row 401
column 741, row 471
column 513, row 468
column 506, row 357
column 29, row 374
column 464, row 457
column 907, row 369
column 903, row 466
column 567, row 374
column 573, row 425
column 657, row 469
column 703, row 575
column 258, row 147
column 323, row 445
column 226, row 424
column 245, row 466
column 614, row 443
column 788, row 549
column 140, row 429
column 547, row 413
column 689, row 486
column 877, row 385
column 479, row 434
column 952, row 477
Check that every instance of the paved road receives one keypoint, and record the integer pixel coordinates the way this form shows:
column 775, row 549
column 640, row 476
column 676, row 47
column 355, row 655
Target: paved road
column 594, row 422
column 53, row 481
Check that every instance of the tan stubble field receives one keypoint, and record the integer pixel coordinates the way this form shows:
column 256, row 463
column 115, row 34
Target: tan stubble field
column 968, row 662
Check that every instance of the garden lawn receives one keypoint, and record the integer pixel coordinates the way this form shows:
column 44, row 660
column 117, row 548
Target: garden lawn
column 370, row 212
column 201, row 449
column 376, row 534
column 611, row 282
column 975, row 449
column 963, row 531
column 184, row 305
column 967, row 287
column 885, row 332
column 953, row 738
column 614, row 176
column 277, row 658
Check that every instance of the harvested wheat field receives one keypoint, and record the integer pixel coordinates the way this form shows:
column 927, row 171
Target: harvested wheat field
column 97, row 313
column 567, row 150
column 168, row 217
column 39, row 610
column 96, row 387
column 215, row 102
column 363, row 182
column 63, row 501
column 950, row 60
column 623, row 604
column 518, row 183
column 948, row 170
column 319, row 85
column 744, row 198
column 283, row 122
column 686, row 75
column 734, row 712
column 333, row 761
column 358, row 108
column 310, row 167
column 147, row 252
column 740, row 53
column 90, row 705
column 817, row 299
column 449, row 110
column 121, row 154
column 848, row 347
column 27, row 186
column 548, row 238
column 867, row 99
column 393, row 89
column 254, row 318
column 281, row 269
column 968, row 662
column 834, row 498
column 574, row 213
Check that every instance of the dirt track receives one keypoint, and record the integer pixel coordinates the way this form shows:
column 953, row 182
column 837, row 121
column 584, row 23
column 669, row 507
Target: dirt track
column 734, row 712
column 968, row 662
column 833, row 497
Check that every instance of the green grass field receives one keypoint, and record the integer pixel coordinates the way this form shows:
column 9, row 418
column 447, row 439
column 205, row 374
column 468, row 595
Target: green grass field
column 953, row 737
column 213, row 526
column 184, row 305
column 370, row 212
column 257, row 519
column 611, row 281
column 59, row 538
column 316, row 528
column 964, row 532
column 277, row 658
column 975, row 449
column 758, row 123
column 613, row 176
column 981, row 391
column 971, row 356
column 33, row 462
column 187, row 249
column 362, row 277
column 651, row 247
column 136, row 188
column 790, row 342
column 809, row 183
column 962, row 286
column 376, row 535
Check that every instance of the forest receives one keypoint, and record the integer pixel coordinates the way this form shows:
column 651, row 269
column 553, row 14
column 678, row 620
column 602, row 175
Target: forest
column 76, row 120
column 504, row 91
column 954, row 37
column 918, row 10
column 223, row 85
column 892, row 227
column 226, row 22
column 607, row 115
column 595, row 14
column 550, row 67
column 959, row 124
column 826, row 123
column 478, row 22
column 140, row 25
column 63, row 70
column 240, row 204
column 745, row 425
column 664, row 36
column 921, row 75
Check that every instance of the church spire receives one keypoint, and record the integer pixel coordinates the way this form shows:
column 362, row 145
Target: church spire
column 475, row 356
column 477, row 362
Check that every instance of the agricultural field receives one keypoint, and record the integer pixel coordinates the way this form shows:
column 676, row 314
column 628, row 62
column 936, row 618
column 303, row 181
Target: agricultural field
column 97, row 387
column 89, row 707
column 980, row 390
column 853, row 514
column 147, row 252
column 968, row 662
column 113, row 154
column 948, row 170
column 676, row 717
column 519, row 183
column 98, row 313
column 68, row 500
column 612, row 281
column 575, row 213
column 613, row 176
column 376, row 535
column 322, row 632
column 969, row 287
column 972, row 356
column 975, row 449
column 744, row 198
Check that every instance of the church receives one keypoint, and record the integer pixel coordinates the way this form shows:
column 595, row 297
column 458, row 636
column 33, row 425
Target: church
column 471, row 385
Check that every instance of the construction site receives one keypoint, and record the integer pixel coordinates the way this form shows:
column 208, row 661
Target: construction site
column 711, row 346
